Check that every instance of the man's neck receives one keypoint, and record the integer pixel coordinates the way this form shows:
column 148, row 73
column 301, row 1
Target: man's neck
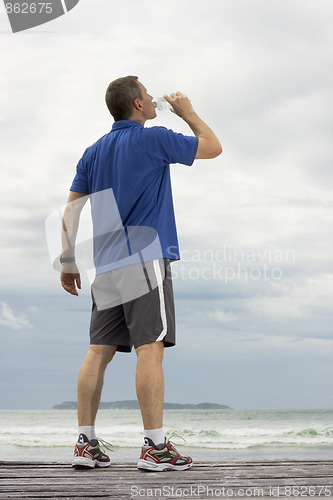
column 137, row 118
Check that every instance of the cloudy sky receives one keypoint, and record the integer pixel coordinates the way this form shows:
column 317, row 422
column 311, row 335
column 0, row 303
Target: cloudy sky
column 254, row 287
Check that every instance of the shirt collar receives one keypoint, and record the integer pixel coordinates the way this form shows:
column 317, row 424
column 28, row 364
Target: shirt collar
column 125, row 124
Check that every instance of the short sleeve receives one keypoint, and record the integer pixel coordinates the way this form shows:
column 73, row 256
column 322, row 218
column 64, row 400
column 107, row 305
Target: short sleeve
column 80, row 182
column 170, row 146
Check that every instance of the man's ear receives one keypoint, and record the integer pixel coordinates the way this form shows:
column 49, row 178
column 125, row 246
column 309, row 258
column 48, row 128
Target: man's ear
column 137, row 104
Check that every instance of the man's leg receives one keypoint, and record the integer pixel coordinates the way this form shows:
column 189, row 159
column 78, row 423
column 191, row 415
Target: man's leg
column 90, row 382
column 150, row 384
column 87, row 452
column 155, row 455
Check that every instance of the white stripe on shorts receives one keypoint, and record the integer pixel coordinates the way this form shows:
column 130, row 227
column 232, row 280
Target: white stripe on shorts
column 158, row 274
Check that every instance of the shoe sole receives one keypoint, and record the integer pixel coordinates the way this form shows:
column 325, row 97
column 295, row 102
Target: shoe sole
column 85, row 463
column 150, row 466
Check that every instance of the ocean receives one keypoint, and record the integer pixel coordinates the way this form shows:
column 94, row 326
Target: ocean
column 223, row 435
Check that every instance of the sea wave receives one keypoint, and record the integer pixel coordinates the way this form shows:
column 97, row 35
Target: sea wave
column 239, row 430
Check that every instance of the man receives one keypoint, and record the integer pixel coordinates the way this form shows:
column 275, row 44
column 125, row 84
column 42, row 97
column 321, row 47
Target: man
column 131, row 162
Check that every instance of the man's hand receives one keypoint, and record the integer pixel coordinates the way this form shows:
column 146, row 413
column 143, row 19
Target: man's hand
column 208, row 145
column 181, row 105
column 70, row 278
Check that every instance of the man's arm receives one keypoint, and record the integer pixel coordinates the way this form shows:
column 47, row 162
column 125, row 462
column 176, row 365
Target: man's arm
column 209, row 146
column 70, row 275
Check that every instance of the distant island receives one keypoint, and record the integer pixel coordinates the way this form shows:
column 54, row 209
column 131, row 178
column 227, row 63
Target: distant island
column 134, row 405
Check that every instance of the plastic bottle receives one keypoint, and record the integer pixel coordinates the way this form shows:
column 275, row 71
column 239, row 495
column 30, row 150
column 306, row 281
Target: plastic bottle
column 161, row 104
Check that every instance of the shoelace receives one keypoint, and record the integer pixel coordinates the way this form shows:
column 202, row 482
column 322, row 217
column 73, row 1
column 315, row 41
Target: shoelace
column 176, row 435
column 105, row 445
column 173, row 444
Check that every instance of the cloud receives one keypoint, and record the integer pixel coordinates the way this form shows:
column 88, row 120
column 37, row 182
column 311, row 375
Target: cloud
column 12, row 321
column 263, row 87
column 259, row 74
column 290, row 300
column 222, row 316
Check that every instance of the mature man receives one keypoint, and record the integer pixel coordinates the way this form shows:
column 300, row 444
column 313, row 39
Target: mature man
column 132, row 162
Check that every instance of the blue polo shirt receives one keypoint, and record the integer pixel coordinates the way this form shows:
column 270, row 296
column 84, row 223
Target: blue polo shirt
column 134, row 161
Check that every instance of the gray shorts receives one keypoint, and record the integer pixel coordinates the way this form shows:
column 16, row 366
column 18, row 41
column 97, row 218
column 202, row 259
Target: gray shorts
column 133, row 306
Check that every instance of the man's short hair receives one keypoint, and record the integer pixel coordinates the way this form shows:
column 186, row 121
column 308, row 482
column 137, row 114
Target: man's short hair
column 120, row 95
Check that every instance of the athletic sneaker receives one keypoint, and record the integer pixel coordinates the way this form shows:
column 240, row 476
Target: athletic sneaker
column 87, row 454
column 167, row 458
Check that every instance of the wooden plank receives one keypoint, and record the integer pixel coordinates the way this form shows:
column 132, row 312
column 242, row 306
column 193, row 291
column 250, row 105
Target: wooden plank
column 204, row 480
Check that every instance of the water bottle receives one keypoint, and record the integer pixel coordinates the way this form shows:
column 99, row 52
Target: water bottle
column 161, row 104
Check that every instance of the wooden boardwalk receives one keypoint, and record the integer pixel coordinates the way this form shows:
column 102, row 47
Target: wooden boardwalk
column 205, row 480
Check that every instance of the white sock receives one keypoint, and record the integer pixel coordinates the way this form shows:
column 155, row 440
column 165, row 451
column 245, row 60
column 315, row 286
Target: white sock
column 89, row 431
column 156, row 435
